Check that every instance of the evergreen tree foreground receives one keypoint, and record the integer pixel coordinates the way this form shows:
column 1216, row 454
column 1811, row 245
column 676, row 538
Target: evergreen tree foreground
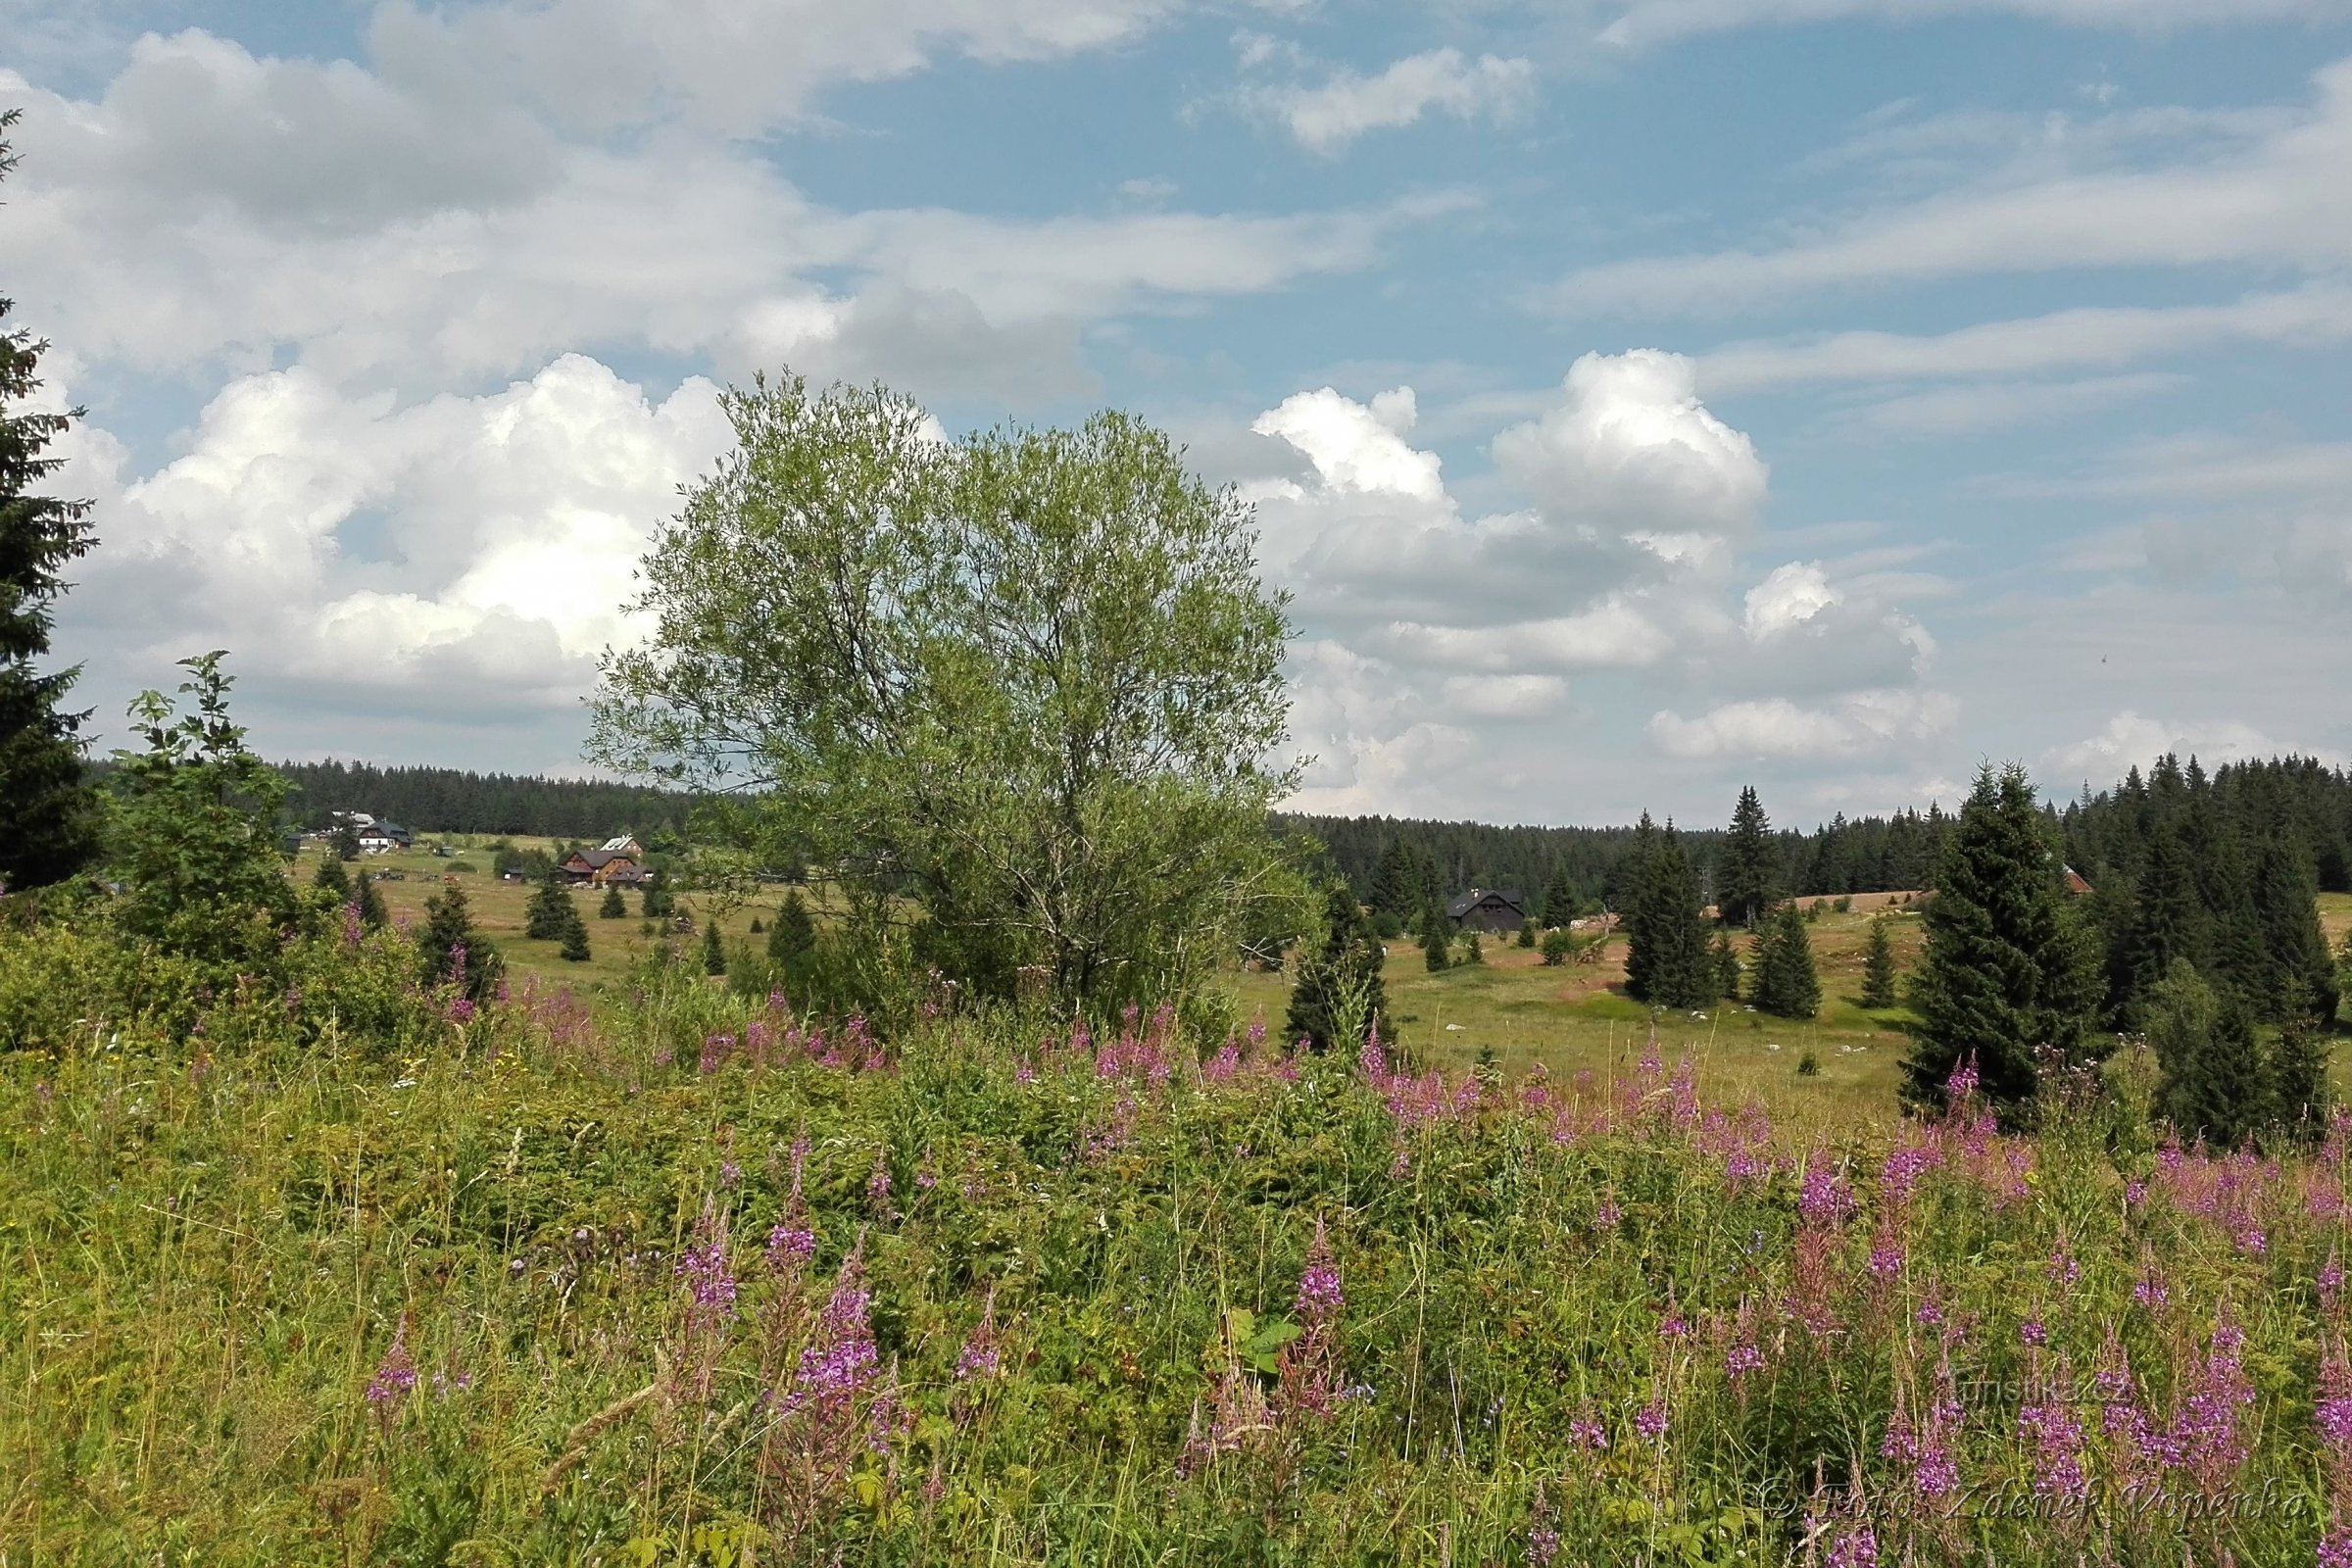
column 49, row 817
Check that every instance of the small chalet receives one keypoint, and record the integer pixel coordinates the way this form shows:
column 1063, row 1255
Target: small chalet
column 604, row 867
column 381, row 837
column 1488, row 910
column 626, row 845
column 2073, row 880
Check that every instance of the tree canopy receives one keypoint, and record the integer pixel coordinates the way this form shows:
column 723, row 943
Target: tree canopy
column 1024, row 682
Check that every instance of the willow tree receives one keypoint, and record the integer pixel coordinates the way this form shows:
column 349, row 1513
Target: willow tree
column 1020, row 686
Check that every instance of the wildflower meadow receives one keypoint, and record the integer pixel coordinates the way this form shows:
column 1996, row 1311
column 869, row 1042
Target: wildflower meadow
column 354, row 1273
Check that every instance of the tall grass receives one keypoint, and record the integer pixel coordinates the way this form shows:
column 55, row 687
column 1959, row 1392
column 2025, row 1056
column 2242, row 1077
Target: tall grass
column 716, row 1284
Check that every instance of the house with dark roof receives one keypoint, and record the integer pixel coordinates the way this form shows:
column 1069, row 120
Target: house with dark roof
column 1487, row 909
column 602, row 867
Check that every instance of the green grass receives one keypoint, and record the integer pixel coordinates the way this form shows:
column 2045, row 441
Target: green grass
column 214, row 1240
column 1575, row 1018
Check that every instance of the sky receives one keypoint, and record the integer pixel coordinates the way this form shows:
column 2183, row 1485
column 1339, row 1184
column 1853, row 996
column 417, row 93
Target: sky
column 1638, row 398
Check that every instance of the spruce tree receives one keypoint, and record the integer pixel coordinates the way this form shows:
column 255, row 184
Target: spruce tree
column 1726, row 968
column 1338, row 993
column 1395, row 882
column 614, row 907
column 2297, row 973
column 657, row 899
column 549, row 914
column 1878, row 968
column 1560, row 900
column 330, row 877
column 2214, row 1085
column 1475, row 953
column 1437, row 947
column 365, row 893
column 2300, row 1095
column 715, row 953
column 792, row 935
column 2167, row 919
column 1744, row 888
column 49, row 815
column 1527, row 933
column 346, row 840
column 1634, row 876
column 1787, row 983
column 451, row 951
column 1669, row 962
column 2010, row 967
column 575, row 935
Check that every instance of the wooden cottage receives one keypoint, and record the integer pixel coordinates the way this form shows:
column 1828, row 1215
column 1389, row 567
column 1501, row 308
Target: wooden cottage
column 1488, row 910
column 604, row 867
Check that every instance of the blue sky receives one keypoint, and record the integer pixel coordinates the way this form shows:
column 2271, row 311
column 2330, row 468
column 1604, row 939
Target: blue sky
column 1640, row 397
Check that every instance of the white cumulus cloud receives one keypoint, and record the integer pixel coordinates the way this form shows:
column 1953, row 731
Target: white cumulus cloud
column 1631, row 445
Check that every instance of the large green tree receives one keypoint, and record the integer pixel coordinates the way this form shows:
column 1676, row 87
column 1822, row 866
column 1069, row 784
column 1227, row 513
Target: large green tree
column 49, row 820
column 1746, row 875
column 1025, row 681
column 2011, row 968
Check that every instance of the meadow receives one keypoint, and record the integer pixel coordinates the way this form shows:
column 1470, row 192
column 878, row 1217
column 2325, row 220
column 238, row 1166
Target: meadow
column 353, row 1274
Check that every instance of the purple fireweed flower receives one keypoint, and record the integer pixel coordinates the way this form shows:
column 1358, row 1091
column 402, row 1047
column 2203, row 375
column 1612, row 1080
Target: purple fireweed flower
column 2151, row 1292
column 790, row 1243
column 1650, row 1422
column 2330, row 1278
column 1585, row 1433
column 1371, row 1060
column 730, row 1174
column 2333, row 1410
column 1886, row 1261
column 2205, row 1431
column 1822, row 1195
column 715, row 1048
column 1319, row 1299
column 1607, row 1214
column 1963, row 1081
column 1855, row 1546
column 396, row 1373
column 2057, row 1449
column 1543, row 1545
column 842, row 1360
column 2336, row 1549
column 2136, row 1193
column 2033, row 1332
column 978, row 1358
column 1741, row 1360
column 459, row 1009
column 877, row 1182
column 710, row 1282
